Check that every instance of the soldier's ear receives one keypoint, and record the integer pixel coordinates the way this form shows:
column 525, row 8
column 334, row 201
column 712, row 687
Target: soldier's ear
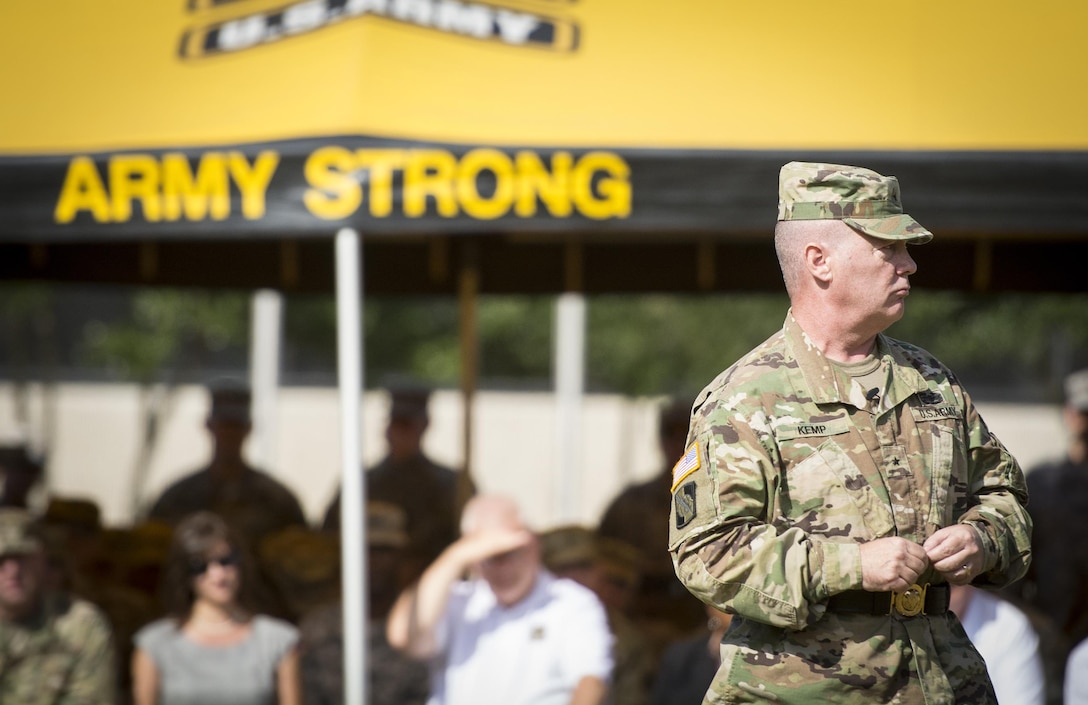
column 818, row 262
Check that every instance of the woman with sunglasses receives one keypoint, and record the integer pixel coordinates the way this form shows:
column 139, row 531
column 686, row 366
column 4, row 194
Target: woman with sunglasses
column 212, row 648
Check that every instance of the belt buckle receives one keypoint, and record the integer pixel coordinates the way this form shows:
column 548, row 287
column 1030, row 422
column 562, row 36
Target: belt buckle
column 911, row 602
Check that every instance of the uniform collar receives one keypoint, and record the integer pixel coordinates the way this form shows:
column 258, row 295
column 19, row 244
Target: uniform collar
column 826, row 384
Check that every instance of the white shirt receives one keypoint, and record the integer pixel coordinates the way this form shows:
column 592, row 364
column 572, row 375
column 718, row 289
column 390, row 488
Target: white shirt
column 1076, row 676
column 1009, row 644
column 532, row 653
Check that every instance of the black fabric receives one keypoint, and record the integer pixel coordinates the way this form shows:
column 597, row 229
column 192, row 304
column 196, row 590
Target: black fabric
column 878, row 603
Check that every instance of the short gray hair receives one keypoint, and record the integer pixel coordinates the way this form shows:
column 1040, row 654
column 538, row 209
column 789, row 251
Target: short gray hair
column 790, row 237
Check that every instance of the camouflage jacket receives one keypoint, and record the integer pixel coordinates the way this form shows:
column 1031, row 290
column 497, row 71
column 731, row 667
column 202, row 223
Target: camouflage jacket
column 789, row 468
column 254, row 503
column 62, row 656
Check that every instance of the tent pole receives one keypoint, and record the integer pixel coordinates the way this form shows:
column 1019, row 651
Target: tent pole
column 468, row 289
column 570, row 345
column 266, row 340
column 570, row 360
column 353, row 489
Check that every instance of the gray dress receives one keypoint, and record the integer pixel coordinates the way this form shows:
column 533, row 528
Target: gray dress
column 239, row 674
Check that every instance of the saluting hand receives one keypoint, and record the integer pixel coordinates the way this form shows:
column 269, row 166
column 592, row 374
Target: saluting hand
column 484, row 544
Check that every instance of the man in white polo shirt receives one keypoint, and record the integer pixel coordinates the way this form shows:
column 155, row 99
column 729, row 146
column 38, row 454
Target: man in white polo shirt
column 513, row 633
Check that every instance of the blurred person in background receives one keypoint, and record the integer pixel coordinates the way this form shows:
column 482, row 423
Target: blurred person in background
column 609, row 568
column 20, row 473
column 1005, row 637
column 97, row 565
column 250, row 500
column 428, row 493
column 639, row 516
column 513, row 633
column 689, row 665
column 1056, row 584
column 392, row 677
column 1076, row 676
column 303, row 566
column 213, row 647
column 54, row 649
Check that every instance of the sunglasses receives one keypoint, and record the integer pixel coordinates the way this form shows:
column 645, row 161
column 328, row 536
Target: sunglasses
column 199, row 567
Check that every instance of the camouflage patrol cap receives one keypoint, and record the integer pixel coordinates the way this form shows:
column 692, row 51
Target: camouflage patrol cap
column 230, row 401
column 409, row 402
column 1076, row 390
column 20, row 534
column 620, row 560
column 861, row 198
column 564, row 547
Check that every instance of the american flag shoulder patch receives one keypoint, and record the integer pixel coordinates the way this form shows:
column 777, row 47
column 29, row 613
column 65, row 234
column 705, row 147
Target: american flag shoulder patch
column 686, row 465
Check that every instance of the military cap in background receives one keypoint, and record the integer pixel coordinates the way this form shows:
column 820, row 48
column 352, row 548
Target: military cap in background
column 620, row 561
column 301, row 556
column 73, row 513
column 861, row 198
column 1076, row 390
column 568, row 546
column 20, row 533
column 230, row 401
column 146, row 543
column 408, row 402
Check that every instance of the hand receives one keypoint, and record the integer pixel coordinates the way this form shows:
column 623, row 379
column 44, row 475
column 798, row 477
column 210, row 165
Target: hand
column 955, row 553
column 486, row 543
column 891, row 564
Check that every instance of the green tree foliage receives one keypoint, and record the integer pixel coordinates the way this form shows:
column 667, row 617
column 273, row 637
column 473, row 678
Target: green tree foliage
column 1010, row 340
column 650, row 345
column 673, row 345
column 636, row 345
column 168, row 331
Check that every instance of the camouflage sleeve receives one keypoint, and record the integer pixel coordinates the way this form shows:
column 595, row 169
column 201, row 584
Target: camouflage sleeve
column 726, row 548
column 93, row 680
column 998, row 506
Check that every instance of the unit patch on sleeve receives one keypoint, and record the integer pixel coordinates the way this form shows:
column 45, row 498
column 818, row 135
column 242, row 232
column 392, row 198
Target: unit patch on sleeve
column 686, row 465
column 684, row 504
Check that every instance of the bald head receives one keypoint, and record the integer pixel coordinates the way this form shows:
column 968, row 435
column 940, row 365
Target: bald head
column 488, row 512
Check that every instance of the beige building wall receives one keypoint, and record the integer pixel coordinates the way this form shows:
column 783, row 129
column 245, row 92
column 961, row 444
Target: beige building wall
column 96, row 432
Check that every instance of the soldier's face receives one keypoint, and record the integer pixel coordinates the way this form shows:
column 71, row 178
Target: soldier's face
column 21, row 578
column 871, row 277
column 228, row 434
column 405, row 436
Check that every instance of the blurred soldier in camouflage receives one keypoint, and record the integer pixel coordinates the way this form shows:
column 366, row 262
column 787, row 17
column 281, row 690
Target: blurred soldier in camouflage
column 836, row 480
column 253, row 502
column 392, row 677
column 639, row 516
column 54, row 649
column 1057, row 582
column 430, row 494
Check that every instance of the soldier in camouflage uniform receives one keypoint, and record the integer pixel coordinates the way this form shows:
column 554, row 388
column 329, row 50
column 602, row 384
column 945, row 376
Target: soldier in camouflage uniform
column 54, row 649
column 392, row 677
column 836, row 480
column 430, row 494
column 253, row 502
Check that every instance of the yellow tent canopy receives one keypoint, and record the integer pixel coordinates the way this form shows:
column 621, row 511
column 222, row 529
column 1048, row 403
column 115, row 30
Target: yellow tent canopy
column 595, row 145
